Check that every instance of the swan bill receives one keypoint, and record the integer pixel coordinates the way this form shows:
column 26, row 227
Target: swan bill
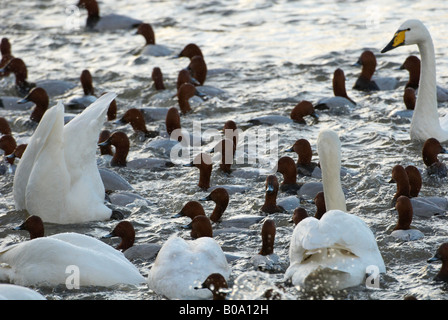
column 397, row 41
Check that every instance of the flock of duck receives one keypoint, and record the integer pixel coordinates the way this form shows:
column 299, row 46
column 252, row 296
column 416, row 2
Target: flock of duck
column 330, row 249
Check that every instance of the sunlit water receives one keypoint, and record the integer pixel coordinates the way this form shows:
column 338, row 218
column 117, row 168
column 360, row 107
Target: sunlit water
column 267, row 55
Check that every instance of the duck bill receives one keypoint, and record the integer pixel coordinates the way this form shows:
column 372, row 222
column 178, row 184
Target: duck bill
column 397, row 41
column 22, row 101
column 289, row 149
column 433, row 259
column 207, row 198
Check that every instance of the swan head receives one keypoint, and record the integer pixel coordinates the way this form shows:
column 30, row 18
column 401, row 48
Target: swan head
column 412, row 31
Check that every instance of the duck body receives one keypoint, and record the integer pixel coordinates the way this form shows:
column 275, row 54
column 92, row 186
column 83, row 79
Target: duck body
column 57, row 177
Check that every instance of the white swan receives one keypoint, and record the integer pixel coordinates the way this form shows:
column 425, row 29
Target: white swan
column 15, row 292
column 181, row 265
column 425, row 122
column 65, row 258
column 332, row 253
column 57, row 177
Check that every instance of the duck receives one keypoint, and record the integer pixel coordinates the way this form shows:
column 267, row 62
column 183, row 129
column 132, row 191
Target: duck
column 151, row 48
column 413, row 65
column 121, row 142
column 185, row 93
column 301, row 110
column 220, row 196
column 109, row 22
column 340, row 102
column 63, row 160
column 403, row 229
column 175, row 138
column 198, row 69
column 431, row 149
column 126, row 232
column 53, row 87
column 190, row 50
column 270, row 201
column 422, row 206
column 204, row 163
column 287, row 167
column 305, row 167
column 181, row 265
column 136, row 119
column 89, row 92
column 5, row 50
column 14, row 292
column 217, row 285
column 298, row 215
column 441, row 255
column 425, row 121
column 266, row 259
column 44, row 260
column 5, row 128
column 39, row 97
column 366, row 81
column 409, row 99
column 331, row 253
column 157, row 78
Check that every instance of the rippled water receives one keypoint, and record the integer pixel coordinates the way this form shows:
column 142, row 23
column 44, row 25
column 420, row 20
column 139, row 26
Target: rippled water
column 267, row 55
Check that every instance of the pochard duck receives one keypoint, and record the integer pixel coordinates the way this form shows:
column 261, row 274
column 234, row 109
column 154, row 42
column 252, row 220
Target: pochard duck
column 270, row 200
column 43, row 260
column 367, row 81
column 126, row 232
column 266, row 259
column 204, row 163
column 190, row 50
column 151, row 48
column 121, row 142
column 89, row 92
column 5, row 49
column 181, row 265
column 431, row 149
column 287, row 167
column 217, row 285
column 403, row 230
column 305, row 166
column 53, row 87
column 109, row 22
column 413, row 65
column 441, row 255
column 298, row 215
column 422, row 206
column 425, row 121
column 5, row 128
column 331, row 253
column 40, row 98
column 301, row 110
column 185, row 93
column 136, row 119
column 63, row 159
column 340, row 101
column 192, row 209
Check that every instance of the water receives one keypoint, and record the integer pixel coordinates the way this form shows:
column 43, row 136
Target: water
column 267, row 55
